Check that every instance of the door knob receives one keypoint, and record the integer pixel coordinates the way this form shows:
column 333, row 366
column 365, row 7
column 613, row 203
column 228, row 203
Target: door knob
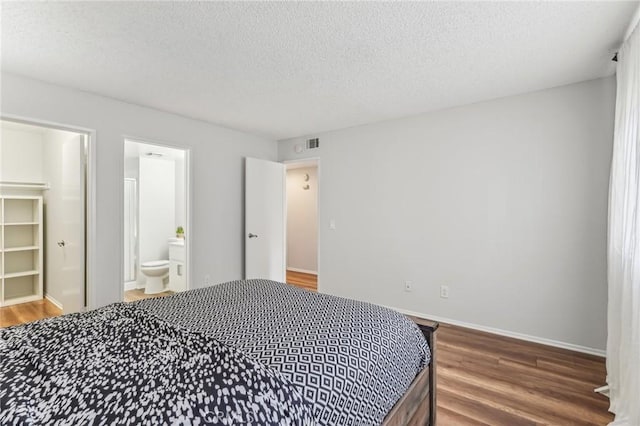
column 252, row 235
column 61, row 243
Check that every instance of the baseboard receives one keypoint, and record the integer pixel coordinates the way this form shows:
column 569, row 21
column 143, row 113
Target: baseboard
column 506, row 333
column 304, row 271
column 54, row 301
column 132, row 285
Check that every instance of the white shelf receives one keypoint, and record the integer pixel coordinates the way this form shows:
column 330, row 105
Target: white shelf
column 21, row 242
column 24, row 248
column 20, row 274
column 25, row 185
column 22, row 299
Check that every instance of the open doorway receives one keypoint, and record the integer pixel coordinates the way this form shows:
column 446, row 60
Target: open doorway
column 302, row 224
column 156, row 223
column 43, row 233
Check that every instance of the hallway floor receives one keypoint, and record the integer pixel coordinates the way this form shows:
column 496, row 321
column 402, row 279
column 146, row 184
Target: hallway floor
column 302, row 280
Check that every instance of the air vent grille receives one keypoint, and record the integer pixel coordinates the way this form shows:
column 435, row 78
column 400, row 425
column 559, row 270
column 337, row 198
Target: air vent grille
column 313, row 143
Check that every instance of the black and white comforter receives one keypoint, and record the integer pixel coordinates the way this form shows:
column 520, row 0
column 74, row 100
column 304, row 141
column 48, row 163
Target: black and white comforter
column 120, row 365
column 351, row 360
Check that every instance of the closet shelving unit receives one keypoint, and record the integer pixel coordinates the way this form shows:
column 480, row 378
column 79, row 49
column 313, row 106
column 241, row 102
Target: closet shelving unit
column 21, row 249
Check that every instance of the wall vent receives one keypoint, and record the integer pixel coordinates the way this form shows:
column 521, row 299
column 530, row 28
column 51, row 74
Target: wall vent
column 313, row 143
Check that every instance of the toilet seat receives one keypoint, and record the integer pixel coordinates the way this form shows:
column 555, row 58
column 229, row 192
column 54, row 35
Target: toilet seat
column 155, row 264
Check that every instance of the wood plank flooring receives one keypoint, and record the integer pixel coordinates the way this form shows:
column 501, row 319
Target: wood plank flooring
column 27, row 312
column 483, row 379
column 138, row 294
column 33, row 311
column 302, row 280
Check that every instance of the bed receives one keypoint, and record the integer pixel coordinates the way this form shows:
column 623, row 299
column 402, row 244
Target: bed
column 253, row 351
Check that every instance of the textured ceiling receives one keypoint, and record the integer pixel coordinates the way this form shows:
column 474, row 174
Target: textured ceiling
column 290, row 69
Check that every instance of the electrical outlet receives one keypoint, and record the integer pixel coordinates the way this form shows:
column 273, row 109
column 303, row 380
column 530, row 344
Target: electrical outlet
column 408, row 286
column 444, row 291
column 207, row 280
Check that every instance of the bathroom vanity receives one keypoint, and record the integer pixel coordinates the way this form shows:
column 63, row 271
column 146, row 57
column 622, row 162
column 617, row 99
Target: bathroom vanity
column 177, row 266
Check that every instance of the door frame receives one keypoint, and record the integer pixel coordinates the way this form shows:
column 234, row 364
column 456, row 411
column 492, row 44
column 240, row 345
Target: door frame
column 315, row 161
column 188, row 180
column 90, row 232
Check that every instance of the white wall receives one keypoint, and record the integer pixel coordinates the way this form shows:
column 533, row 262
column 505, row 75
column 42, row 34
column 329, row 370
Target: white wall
column 157, row 208
column 132, row 168
column 20, row 155
column 504, row 201
column 217, row 172
column 302, row 220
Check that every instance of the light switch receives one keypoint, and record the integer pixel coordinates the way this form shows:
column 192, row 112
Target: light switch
column 332, row 224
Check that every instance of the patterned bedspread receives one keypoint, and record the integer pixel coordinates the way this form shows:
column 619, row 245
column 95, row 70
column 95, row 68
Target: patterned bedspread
column 351, row 360
column 120, row 365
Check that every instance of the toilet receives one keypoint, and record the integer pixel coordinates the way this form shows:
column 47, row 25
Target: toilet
column 155, row 271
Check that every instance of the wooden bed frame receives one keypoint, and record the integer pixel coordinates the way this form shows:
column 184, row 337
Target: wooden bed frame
column 418, row 405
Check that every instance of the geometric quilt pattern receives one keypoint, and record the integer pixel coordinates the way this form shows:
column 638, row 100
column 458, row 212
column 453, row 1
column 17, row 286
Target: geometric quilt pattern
column 351, row 360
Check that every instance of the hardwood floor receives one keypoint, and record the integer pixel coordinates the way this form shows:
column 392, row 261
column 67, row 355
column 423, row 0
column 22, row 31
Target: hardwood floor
column 33, row 311
column 302, row 280
column 27, row 312
column 485, row 379
column 138, row 294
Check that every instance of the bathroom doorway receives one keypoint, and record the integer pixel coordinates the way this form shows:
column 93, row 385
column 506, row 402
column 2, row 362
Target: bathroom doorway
column 155, row 220
column 302, row 223
column 43, row 220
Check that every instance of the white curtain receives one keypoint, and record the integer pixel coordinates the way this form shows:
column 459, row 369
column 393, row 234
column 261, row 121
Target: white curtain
column 623, row 343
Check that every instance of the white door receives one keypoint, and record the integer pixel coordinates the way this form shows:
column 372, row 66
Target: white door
column 264, row 220
column 64, row 228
